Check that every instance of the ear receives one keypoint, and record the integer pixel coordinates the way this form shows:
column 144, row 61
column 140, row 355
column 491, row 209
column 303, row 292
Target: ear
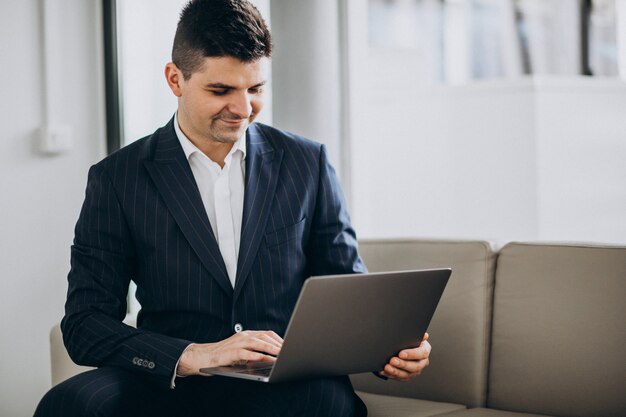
column 174, row 78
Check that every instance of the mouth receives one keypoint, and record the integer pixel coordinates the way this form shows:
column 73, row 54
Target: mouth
column 233, row 122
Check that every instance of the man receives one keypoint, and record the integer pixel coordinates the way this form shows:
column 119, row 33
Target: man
column 218, row 221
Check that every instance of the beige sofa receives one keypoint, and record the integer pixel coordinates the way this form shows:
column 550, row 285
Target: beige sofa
column 538, row 329
column 529, row 329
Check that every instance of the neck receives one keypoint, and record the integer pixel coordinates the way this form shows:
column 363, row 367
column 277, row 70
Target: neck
column 216, row 151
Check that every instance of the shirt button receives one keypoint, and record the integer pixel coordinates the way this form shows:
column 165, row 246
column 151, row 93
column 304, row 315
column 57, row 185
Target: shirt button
column 238, row 328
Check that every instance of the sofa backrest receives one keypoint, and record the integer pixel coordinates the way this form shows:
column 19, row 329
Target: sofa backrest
column 559, row 330
column 459, row 330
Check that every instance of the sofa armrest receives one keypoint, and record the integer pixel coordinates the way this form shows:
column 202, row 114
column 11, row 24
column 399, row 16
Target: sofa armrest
column 61, row 365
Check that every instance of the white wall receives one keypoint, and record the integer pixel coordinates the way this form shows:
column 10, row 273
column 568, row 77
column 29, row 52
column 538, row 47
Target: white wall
column 447, row 162
column 306, row 72
column 41, row 195
column 503, row 160
column 581, row 159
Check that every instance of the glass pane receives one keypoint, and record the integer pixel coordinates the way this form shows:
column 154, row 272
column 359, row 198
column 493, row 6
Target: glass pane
column 603, row 56
column 456, row 41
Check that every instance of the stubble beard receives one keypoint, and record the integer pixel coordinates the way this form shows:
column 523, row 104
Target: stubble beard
column 227, row 134
column 222, row 133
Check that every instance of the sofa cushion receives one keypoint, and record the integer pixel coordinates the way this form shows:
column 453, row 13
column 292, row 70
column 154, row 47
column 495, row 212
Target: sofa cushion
column 558, row 331
column 459, row 330
column 389, row 406
column 486, row 412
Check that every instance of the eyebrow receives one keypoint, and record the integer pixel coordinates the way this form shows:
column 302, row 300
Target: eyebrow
column 230, row 87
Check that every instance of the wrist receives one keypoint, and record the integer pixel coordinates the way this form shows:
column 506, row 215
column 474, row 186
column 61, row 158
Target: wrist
column 186, row 364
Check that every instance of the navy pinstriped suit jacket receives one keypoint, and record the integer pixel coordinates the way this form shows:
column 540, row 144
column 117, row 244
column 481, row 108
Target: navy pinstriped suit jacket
column 143, row 219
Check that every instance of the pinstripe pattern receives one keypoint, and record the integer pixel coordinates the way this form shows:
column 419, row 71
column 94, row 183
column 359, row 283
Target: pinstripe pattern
column 143, row 219
column 116, row 392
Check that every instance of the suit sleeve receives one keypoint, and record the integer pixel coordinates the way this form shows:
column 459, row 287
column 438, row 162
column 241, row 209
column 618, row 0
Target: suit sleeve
column 102, row 264
column 333, row 246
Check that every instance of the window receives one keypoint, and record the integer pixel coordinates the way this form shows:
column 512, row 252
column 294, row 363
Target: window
column 476, row 119
column 456, row 41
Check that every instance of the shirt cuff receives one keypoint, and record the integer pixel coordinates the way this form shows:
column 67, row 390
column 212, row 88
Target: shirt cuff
column 175, row 373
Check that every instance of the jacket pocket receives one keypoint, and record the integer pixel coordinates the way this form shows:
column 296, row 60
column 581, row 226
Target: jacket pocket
column 285, row 234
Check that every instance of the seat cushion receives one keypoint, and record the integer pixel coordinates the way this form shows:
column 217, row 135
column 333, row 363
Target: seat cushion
column 485, row 412
column 389, row 406
column 559, row 333
column 459, row 330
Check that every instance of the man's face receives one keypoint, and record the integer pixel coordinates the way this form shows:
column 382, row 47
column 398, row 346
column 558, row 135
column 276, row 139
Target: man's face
column 220, row 100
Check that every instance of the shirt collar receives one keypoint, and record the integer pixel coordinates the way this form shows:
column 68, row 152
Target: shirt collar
column 189, row 148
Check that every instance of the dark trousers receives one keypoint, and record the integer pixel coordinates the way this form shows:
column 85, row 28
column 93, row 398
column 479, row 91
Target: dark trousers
column 114, row 392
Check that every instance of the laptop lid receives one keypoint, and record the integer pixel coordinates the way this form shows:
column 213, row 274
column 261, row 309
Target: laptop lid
column 345, row 324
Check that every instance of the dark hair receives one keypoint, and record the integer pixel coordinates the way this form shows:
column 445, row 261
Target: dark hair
column 218, row 28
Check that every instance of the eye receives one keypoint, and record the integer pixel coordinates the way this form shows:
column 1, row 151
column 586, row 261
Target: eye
column 218, row 92
column 256, row 90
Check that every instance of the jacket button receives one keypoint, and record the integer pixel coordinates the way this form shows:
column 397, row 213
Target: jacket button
column 238, row 328
column 135, row 360
column 151, row 365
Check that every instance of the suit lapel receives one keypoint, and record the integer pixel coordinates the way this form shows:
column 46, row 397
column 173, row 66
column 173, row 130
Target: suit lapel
column 174, row 180
column 262, row 167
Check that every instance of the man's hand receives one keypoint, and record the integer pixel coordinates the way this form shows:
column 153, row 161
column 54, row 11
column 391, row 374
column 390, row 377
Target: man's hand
column 247, row 346
column 409, row 363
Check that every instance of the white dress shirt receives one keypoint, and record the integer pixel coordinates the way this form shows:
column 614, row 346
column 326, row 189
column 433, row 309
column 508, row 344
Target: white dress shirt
column 222, row 191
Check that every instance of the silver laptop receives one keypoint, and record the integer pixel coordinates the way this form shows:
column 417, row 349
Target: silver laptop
column 346, row 324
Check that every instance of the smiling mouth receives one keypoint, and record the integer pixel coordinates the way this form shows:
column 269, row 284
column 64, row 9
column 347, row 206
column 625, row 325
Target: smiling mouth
column 233, row 122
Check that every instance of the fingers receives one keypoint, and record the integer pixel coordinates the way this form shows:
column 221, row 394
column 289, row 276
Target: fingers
column 409, row 362
column 416, row 354
column 274, row 336
column 271, row 338
column 265, row 336
column 256, row 342
column 411, row 367
column 243, row 356
column 404, row 371
column 247, row 346
column 243, row 347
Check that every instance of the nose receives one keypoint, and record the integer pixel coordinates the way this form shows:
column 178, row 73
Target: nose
column 241, row 105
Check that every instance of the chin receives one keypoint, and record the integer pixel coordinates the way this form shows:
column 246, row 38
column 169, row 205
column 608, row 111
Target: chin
column 230, row 135
column 227, row 138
